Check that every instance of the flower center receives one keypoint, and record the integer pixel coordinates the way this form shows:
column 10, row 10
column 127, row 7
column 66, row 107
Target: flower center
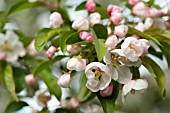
column 115, row 60
column 131, row 46
column 97, row 73
column 6, row 46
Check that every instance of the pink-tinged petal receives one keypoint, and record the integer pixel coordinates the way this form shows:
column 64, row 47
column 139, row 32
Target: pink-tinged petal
column 128, row 87
column 107, row 58
column 140, row 84
column 130, row 54
column 111, row 42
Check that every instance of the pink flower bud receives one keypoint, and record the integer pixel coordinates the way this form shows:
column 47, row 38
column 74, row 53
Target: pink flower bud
column 154, row 13
column 75, row 102
column 95, row 18
column 120, row 30
column 146, row 45
column 116, row 17
column 56, row 20
column 77, row 64
column 65, row 103
column 140, row 26
column 140, row 10
column 51, row 51
column 111, row 42
column 65, row 80
column 111, row 8
column 90, row 6
column 80, row 24
column 30, row 80
column 133, row 2
column 167, row 24
column 31, row 48
column 74, row 49
column 2, row 56
column 86, row 36
column 107, row 91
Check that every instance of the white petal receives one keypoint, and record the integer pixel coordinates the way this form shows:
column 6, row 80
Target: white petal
column 93, row 85
column 140, row 84
column 130, row 63
column 148, row 23
column 19, row 49
column 124, row 74
column 128, row 87
column 104, row 81
column 114, row 73
column 118, row 52
column 12, row 38
column 107, row 58
column 2, row 39
column 130, row 54
column 11, row 57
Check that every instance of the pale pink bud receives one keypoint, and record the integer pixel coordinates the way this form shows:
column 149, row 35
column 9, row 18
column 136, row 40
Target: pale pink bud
column 154, row 13
column 107, row 91
column 65, row 80
column 65, row 103
column 75, row 102
column 86, row 36
column 111, row 8
column 111, row 42
column 167, row 24
column 77, row 64
column 74, row 49
column 140, row 26
column 80, row 24
column 120, row 30
column 133, row 2
column 90, row 6
column 2, row 56
column 140, row 10
column 116, row 17
column 95, row 18
column 31, row 48
column 51, row 51
column 146, row 45
column 56, row 20
column 30, row 80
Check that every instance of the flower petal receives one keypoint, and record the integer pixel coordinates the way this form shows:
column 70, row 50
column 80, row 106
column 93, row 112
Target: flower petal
column 93, row 85
column 114, row 73
column 104, row 81
column 140, row 84
column 128, row 87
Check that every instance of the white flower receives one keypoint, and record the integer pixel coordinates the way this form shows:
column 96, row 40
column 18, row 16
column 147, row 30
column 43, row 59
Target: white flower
column 132, row 48
column 95, row 18
column 56, row 20
column 77, row 64
column 11, row 46
column 80, row 24
column 65, row 80
column 98, row 76
column 138, row 85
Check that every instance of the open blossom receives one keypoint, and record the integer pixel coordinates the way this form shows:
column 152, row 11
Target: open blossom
column 74, row 49
column 90, row 6
column 116, row 17
column 10, row 46
column 86, row 36
column 80, row 24
column 137, row 85
column 132, row 48
column 65, row 80
column 133, row 2
column 98, row 76
column 51, row 51
column 112, row 8
column 140, row 9
column 121, row 30
column 77, row 64
column 111, row 42
column 107, row 91
column 95, row 18
column 56, row 20
column 154, row 13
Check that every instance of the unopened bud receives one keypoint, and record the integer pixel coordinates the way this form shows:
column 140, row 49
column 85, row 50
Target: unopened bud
column 74, row 49
column 111, row 42
column 113, row 8
column 56, row 20
column 51, row 51
column 90, row 6
column 65, row 80
column 77, row 64
column 121, row 30
column 107, row 91
column 80, row 24
column 95, row 18
column 2, row 56
column 86, row 36
column 30, row 80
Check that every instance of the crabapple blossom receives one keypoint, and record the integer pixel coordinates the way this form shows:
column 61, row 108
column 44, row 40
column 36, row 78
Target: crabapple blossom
column 120, row 30
column 133, row 2
column 80, row 24
column 90, row 6
column 56, row 20
column 51, row 51
column 11, row 47
column 74, row 49
column 95, row 18
column 132, row 48
column 140, row 26
column 86, row 36
column 113, row 8
column 138, row 85
column 65, row 80
column 116, row 17
column 77, row 64
column 146, row 45
column 140, row 9
column 154, row 13
column 111, row 42
column 98, row 76
column 107, row 91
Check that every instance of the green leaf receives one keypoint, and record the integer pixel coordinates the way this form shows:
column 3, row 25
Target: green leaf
column 99, row 46
column 81, row 6
column 100, row 31
column 43, row 37
column 63, row 40
column 103, row 12
column 44, row 110
column 62, row 110
column 15, row 106
column 73, row 38
column 56, row 42
column 7, row 79
column 51, row 82
column 132, row 31
column 84, row 94
column 108, row 103
column 152, row 51
column 135, row 72
column 156, row 71
column 23, row 4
